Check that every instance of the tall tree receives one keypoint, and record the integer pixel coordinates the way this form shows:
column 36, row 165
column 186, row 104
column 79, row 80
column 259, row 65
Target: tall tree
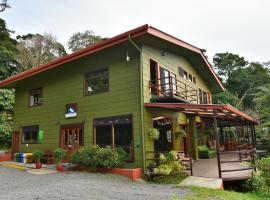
column 84, row 39
column 4, row 5
column 8, row 67
column 8, row 64
column 36, row 49
column 226, row 63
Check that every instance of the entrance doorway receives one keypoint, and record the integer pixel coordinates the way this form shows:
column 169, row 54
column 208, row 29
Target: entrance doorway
column 15, row 143
column 71, row 138
column 165, row 140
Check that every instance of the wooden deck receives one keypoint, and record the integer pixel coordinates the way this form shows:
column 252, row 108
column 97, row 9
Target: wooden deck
column 209, row 168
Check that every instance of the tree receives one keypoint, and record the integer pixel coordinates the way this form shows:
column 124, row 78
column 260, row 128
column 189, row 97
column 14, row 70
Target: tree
column 4, row 5
column 8, row 64
column 36, row 49
column 226, row 63
column 81, row 40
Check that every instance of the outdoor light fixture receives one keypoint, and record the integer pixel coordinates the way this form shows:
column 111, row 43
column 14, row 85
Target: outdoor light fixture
column 128, row 58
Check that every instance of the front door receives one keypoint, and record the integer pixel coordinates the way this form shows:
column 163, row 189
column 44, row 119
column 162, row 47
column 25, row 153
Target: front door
column 15, row 142
column 71, row 138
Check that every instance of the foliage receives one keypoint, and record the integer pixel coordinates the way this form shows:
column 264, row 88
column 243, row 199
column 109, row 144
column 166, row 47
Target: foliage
column 264, row 166
column 36, row 49
column 37, row 155
column 263, row 138
column 59, row 154
column 201, row 193
column 97, row 157
column 8, row 64
column 169, row 164
column 175, row 178
column 180, row 132
column 226, row 63
column 225, row 97
column 154, row 133
column 122, row 154
column 4, row 5
column 81, row 40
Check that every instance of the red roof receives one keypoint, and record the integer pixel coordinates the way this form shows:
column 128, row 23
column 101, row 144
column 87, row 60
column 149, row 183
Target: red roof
column 223, row 111
column 108, row 43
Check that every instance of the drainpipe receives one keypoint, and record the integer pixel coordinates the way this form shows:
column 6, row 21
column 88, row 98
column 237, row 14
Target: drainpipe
column 142, row 100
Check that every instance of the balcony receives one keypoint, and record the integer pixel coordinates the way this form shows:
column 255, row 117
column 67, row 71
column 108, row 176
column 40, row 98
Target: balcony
column 170, row 89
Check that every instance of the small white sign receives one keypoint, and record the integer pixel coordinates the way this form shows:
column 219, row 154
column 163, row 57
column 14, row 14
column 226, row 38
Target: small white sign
column 69, row 115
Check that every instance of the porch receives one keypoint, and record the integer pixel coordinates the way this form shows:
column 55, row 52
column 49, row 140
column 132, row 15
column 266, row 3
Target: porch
column 221, row 129
column 209, row 167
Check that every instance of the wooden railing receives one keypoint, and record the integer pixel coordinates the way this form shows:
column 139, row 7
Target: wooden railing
column 170, row 87
column 245, row 155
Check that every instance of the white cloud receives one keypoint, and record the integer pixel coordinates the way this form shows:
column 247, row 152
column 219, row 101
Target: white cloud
column 240, row 26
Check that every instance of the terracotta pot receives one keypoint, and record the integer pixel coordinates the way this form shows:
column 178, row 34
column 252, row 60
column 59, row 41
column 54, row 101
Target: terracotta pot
column 38, row 165
column 59, row 167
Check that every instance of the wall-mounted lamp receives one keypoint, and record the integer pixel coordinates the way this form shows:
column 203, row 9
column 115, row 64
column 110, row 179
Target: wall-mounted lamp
column 127, row 58
column 57, row 122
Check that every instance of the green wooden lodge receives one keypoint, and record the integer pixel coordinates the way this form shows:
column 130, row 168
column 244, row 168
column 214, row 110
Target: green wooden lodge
column 112, row 93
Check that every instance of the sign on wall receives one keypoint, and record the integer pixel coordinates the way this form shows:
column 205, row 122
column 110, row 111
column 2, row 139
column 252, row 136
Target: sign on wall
column 71, row 110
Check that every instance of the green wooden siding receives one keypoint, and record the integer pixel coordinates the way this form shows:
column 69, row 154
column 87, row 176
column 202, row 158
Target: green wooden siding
column 64, row 85
column 170, row 62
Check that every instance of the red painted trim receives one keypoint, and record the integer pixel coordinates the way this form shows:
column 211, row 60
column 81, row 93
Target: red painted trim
column 108, row 43
column 179, row 42
column 179, row 106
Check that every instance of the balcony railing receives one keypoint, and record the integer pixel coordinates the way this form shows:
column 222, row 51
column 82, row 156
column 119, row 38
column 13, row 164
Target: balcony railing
column 172, row 87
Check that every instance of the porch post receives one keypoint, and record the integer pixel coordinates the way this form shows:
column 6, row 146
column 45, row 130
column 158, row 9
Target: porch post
column 222, row 135
column 193, row 137
column 217, row 144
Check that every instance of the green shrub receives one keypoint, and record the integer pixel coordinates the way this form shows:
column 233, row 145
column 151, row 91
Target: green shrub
column 37, row 155
column 169, row 164
column 122, row 154
column 59, row 154
column 170, row 179
column 97, row 157
column 154, row 133
column 260, row 181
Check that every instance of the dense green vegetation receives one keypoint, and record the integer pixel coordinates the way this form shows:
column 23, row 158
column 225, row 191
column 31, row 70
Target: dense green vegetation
column 217, row 194
column 96, row 157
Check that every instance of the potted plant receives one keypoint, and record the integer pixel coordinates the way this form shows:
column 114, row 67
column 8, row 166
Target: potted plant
column 59, row 155
column 37, row 155
column 154, row 133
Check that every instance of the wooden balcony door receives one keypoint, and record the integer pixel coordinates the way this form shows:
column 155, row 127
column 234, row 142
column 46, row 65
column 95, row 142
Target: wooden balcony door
column 71, row 138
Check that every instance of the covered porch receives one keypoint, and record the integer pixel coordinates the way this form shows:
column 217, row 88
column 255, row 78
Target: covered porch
column 228, row 132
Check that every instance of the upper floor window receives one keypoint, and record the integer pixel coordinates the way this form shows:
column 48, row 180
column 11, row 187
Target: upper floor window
column 194, row 80
column 30, row 134
column 190, row 77
column 203, row 97
column 96, row 82
column 35, row 97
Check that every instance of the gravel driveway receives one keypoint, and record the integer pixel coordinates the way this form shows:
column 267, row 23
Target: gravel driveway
column 15, row 184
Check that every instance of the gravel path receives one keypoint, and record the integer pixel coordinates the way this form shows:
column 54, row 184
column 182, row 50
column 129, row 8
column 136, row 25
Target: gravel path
column 15, row 184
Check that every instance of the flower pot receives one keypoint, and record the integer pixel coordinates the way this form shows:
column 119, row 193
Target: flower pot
column 38, row 165
column 59, row 167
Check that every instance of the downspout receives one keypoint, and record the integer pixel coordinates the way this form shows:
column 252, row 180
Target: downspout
column 142, row 99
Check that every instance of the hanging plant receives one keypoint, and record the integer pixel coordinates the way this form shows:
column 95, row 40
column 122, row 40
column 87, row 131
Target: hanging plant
column 154, row 133
column 180, row 132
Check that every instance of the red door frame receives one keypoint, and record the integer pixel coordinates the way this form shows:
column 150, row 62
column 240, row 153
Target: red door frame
column 15, row 146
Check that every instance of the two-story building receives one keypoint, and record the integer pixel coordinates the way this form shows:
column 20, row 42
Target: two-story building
column 113, row 92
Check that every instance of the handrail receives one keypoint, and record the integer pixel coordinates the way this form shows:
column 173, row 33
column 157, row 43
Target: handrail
column 170, row 86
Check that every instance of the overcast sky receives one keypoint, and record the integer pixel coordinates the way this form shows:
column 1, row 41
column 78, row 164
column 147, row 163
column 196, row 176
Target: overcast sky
column 237, row 26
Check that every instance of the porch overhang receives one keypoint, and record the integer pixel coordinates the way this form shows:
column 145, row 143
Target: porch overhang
column 226, row 112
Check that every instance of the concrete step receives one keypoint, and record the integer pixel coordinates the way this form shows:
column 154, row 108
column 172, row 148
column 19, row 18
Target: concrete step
column 215, row 183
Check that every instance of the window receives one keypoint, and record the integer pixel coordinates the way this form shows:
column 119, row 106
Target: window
column 97, row 82
column 116, row 132
column 190, row 77
column 30, row 134
column 203, row 97
column 194, row 80
column 35, row 97
column 181, row 71
column 185, row 75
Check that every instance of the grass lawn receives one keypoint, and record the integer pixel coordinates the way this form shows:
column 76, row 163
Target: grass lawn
column 216, row 194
